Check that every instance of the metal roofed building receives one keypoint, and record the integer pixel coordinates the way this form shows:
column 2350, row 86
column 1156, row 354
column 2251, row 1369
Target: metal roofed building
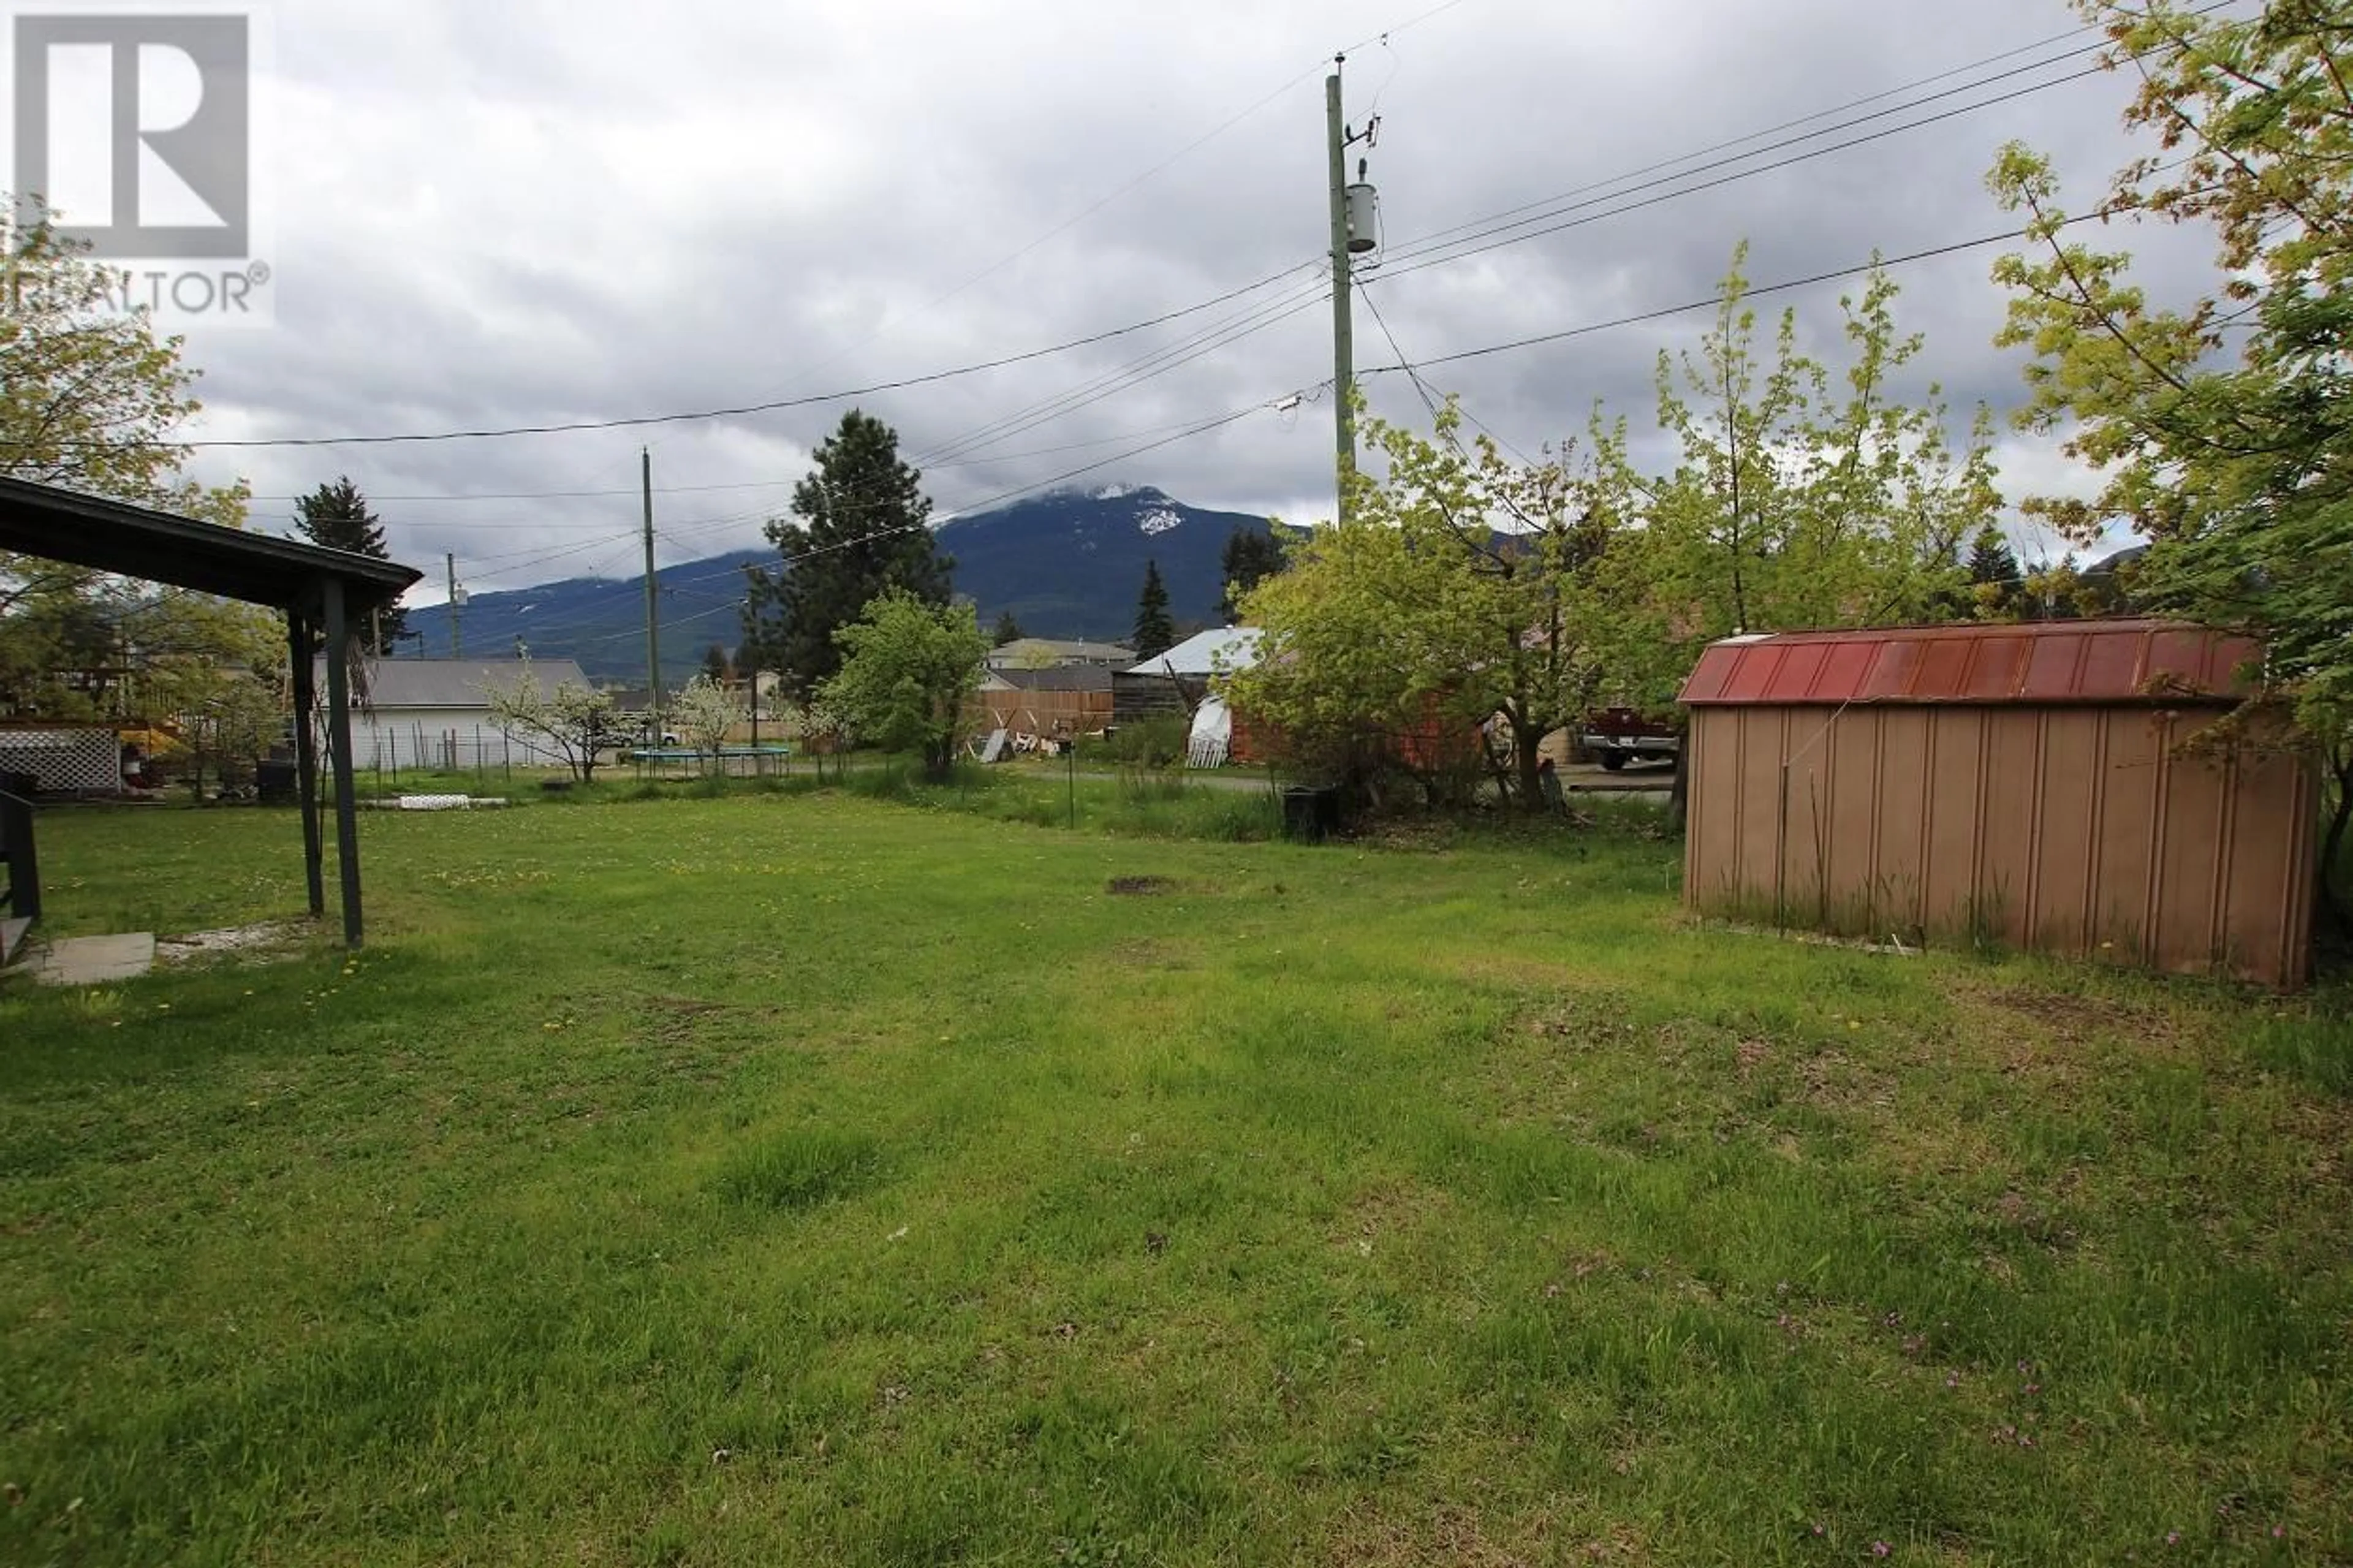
column 1045, row 653
column 2029, row 784
column 436, row 713
column 1177, row 681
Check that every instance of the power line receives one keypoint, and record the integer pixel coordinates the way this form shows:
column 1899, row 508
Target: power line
column 1418, row 261
column 698, row 415
column 1427, row 401
column 1718, row 298
column 1200, row 429
column 633, row 491
column 1403, row 362
column 1438, row 238
column 1419, row 252
column 1124, row 378
column 1107, row 199
column 1458, row 249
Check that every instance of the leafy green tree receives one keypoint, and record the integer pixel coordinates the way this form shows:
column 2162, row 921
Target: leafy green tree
column 1250, row 555
column 862, row 529
column 907, row 666
column 1155, row 634
column 90, row 398
column 1463, row 588
column 1009, row 630
column 338, row 516
column 1795, row 504
column 2221, row 426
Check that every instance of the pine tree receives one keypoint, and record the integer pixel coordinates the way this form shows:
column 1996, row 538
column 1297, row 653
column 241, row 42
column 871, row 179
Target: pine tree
column 1995, row 581
column 1250, row 556
column 1154, row 632
column 715, row 665
column 1007, row 629
column 860, row 528
column 337, row 516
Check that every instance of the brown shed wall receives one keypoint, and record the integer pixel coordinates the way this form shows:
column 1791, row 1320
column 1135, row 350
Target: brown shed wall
column 2074, row 829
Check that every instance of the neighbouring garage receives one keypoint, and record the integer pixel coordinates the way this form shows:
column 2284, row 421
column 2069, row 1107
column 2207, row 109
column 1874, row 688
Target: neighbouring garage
column 2036, row 785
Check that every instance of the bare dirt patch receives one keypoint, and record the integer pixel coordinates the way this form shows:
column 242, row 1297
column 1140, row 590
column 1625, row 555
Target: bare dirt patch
column 257, row 943
column 2067, row 1014
column 1141, row 886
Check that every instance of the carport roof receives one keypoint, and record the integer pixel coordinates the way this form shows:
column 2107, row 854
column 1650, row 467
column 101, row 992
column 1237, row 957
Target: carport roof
column 2073, row 662
column 135, row 542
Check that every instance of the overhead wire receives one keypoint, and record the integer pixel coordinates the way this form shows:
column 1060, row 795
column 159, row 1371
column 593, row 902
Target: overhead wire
column 1430, row 395
column 1199, row 429
column 1107, row 199
column 1717, row 298
column 1457, row 241
column 639, row 421
column 1501, row 237
column 1417, row 253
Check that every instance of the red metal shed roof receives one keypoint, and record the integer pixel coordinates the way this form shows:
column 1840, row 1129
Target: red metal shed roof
column 2050, row 661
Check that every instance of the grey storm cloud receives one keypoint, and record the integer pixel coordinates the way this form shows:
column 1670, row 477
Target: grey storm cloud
column 518, row 213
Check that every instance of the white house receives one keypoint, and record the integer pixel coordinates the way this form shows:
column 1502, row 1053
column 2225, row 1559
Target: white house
column 435, row 713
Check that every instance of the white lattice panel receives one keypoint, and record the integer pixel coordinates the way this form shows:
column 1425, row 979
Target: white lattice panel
column 64, row 761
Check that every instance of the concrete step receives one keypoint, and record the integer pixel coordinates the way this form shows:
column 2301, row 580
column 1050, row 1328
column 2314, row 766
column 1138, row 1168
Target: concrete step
column 12, row 936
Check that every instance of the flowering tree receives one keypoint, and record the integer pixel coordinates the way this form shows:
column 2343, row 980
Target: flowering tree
column 705, row 712
column 573, row 721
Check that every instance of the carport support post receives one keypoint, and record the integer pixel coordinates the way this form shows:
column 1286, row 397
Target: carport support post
column 306, row 753
column 339, row 753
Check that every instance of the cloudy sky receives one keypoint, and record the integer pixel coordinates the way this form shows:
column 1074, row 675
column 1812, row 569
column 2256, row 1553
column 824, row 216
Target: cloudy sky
column 531, row 212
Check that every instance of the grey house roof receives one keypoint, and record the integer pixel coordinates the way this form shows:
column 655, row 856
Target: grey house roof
column 394, row 683
column 1060, row 677
column 1049, row 651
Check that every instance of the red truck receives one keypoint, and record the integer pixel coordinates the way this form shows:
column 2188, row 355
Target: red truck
column 1615, row 736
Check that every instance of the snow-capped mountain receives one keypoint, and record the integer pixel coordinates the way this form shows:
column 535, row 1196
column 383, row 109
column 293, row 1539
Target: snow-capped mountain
column 1067, row 563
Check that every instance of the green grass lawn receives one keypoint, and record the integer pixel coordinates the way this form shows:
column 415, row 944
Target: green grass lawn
column 796, row 1178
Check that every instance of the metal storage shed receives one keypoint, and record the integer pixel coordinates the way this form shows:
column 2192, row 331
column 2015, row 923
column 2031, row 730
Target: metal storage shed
column 2022, row 781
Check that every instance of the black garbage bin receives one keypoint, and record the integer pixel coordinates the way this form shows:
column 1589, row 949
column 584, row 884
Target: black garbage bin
column 273, row 781
column 1310, row 814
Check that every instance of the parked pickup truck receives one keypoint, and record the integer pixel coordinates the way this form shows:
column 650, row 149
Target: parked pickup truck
column 1617, row 735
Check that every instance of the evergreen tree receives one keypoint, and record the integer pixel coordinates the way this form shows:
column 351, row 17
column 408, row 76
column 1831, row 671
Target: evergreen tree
column 1007, row 629
column 337, row 516
column 1996, row 582
column 1250, row 556
column 1155, row 634
column 858, row 528
column 715, row 665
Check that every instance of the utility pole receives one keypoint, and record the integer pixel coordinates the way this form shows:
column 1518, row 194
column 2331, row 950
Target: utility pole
column 1344, row 370
column 653, row 603
column 457, row 636
column 1354, row 226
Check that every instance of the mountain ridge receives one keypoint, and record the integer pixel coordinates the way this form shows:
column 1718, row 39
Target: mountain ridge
column 1067, row 562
